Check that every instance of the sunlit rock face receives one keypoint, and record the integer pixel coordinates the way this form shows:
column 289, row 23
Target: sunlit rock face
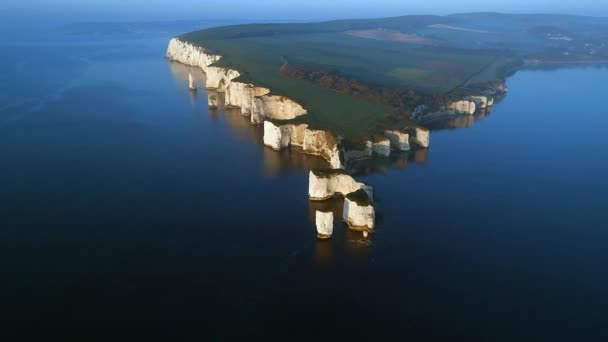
column 399, row 141
column 277, row 137
column 420, row 136
column 324, row 144
column 241, row 95
column 322, row 186
column 325, row 224
column 189, row 54
column 275, row 107
column 220, row 78
column 481, row 102
column 321, row 143
column 382, row 147
column 212, row 100
column 462, row 107
column 359, row 216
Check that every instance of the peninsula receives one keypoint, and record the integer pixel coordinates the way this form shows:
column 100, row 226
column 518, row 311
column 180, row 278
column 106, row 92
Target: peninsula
column 353, row 89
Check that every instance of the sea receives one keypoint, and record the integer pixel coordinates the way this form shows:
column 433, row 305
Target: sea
column 126, row 203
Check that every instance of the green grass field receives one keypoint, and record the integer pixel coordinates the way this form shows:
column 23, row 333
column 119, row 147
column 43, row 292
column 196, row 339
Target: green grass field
column 466, row 50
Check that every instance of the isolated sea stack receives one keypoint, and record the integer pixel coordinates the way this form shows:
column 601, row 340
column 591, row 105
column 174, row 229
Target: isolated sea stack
column 325, row 224
column 192, row 82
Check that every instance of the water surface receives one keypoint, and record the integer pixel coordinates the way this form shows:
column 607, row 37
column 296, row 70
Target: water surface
column 125, row 201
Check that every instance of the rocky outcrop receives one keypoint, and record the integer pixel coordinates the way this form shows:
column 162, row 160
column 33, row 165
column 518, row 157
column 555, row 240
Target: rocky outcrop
column 481, row 102
column 254, row 101
column 382, row 146
column 189, row 54
column 324, row 184
column 358, row 211
column 275, row 107
column 191, row 82
column 399, row 141
column 220, row 78
column 241, row 95
column 325, row 224
column 462, row 107
column 324, row 144
column 419, row 136
column 317, row 142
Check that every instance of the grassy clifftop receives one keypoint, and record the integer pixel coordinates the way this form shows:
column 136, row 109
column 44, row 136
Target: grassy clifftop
column 411, row 56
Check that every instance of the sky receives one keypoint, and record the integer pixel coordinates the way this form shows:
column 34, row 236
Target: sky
column 303, row 10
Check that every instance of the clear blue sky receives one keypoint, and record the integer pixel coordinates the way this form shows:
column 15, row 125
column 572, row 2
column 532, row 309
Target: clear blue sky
column 284, row 9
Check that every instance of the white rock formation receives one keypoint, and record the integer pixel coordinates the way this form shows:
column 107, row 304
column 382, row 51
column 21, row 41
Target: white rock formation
column 325, row 186
column 191, row 82
column 254, row 101
column 241, row 95
column 220, row 78
column 420, row 136
column 462, row 107
column 277, row 137
column 324, row 144
column 325, row 224
column 359, row 216
column 382, row 147
column 481, row 102
column 399, row 141
column 315, row 142
column 275, row 107
column 189, row 54
column 212, row 99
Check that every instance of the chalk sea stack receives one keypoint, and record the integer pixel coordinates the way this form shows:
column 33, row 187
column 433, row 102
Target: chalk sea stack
column 325, row 224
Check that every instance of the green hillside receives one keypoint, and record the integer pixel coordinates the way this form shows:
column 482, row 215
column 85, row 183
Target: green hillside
column 349, row 73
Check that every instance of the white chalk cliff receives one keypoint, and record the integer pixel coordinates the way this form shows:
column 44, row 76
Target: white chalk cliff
column 420, row 136
column 317, row 142
column 382, row 147
column 399, row 141
column 254, row 101
column 463, row 107
column 325, row 224
column 482, row 102
column 358, row 216
column 325, row 186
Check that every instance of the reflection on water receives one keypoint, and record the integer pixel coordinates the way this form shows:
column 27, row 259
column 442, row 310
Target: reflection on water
column 397, row 160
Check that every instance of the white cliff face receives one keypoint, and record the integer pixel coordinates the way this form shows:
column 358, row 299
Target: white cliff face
column 420, row 137
column 382, row 147
column 322, row 187
column 463, row 107
column 191, row 82
column 324, row 144
column 254, row 101
column 220, row 78
column 275, row 107
column 277, row 137
column 315, row 142
column 212, row 100
column 189, row 54
column 399, row 141
column 359, row 216
column 325, row 224
column 482, row 102
column 241, row 95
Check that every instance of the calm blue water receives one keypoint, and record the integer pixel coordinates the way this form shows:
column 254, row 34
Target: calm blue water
column 125, row 202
